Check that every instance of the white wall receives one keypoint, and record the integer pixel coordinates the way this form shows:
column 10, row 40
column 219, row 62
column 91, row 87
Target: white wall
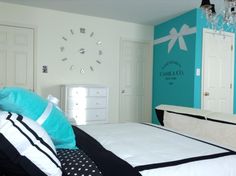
column 51, row 25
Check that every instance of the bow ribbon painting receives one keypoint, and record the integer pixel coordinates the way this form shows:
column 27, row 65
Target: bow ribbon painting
column 174, row 36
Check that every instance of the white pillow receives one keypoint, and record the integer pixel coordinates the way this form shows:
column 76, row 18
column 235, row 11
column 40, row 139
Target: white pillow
column 31, row 144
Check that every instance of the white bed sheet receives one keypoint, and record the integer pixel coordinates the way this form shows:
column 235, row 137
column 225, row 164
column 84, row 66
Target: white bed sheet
column 142, row 145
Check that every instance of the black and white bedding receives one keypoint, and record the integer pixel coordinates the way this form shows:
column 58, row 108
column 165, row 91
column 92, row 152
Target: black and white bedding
column 134, row 149
column 76, row 163
column 27, row 150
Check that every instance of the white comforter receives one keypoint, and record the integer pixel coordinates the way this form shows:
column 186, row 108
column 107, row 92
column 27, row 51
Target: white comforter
column 156, row 151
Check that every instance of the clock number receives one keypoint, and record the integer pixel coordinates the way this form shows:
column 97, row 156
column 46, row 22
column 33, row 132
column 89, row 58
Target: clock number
column 82, row 71
column 99, row 62
column 72, row 32
column 64, row 59
column 100, row 52
column 64, row 38
column 62, row 48
column 72, row 67
column 99, row 43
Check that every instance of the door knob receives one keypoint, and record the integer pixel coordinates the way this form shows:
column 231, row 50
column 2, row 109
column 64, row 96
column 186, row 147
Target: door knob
column 206, row 94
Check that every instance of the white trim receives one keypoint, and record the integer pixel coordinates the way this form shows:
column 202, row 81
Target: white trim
column 45, row 114
column 232, row 35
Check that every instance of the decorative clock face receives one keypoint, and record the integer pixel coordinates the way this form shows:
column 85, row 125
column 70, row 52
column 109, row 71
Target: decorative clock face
column 81, row 50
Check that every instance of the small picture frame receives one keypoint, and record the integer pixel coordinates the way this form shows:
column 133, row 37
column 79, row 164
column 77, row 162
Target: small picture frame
column 82, row 30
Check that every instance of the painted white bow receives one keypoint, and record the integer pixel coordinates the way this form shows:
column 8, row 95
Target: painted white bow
column 174, row 36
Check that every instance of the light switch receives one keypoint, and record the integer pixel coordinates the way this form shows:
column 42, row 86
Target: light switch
column 198, row 72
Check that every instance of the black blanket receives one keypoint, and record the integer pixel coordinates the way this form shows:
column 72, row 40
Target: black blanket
column 108, row 163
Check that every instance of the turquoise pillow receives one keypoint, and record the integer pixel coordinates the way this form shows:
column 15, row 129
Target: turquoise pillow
column 31, row 105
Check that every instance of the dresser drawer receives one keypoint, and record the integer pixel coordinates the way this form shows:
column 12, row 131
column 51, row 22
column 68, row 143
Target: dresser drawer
column 87, row 115
column 77, row 92
column 96, row 114
column 85, row 91
column 97, row 92
column 89, row 102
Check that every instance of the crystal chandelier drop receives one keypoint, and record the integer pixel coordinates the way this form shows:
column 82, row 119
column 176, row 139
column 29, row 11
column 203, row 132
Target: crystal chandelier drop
column 225, row 19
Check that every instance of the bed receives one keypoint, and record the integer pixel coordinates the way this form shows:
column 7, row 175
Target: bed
column 127, row 149
column 148, row 150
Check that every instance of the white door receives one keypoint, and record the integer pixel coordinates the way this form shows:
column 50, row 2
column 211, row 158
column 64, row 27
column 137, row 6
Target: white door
column 16, row 57
column 133, row 57
column 218, row 71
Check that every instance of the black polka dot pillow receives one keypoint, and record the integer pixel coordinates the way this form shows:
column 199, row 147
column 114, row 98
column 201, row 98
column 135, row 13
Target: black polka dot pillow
column 76, row 163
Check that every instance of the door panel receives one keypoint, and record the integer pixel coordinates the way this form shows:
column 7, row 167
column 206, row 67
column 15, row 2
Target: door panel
column 20, row 63
column 132, row 74
column 218, row 61
column 17, row 47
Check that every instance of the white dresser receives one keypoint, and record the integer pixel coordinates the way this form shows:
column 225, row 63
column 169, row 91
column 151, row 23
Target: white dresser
column 85, row 104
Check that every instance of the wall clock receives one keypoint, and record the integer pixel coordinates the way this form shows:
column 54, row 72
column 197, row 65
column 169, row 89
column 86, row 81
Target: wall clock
column 80, row 49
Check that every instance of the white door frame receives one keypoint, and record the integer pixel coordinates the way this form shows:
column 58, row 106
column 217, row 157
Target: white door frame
column 34, row 28
column 232, row 35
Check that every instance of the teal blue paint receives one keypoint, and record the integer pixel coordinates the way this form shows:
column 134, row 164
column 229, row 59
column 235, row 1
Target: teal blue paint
column 201, row 23
column 173, row 73
column 198, row 60
column 155, row 83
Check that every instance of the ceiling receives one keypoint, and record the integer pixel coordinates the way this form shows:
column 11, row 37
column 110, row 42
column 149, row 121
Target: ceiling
column 148, row 12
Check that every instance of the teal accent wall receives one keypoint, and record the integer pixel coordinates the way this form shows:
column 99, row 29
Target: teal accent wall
column 183, row 89
column 173, row 72
column 200, row 23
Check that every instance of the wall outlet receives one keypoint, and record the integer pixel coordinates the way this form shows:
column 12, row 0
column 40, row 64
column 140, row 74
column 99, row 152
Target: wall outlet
column 45, row 69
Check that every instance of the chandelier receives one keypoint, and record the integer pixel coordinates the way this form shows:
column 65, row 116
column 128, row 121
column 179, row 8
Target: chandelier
column 225, row 19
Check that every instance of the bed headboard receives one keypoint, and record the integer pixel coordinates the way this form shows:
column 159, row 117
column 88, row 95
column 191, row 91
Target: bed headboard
column 216, row 127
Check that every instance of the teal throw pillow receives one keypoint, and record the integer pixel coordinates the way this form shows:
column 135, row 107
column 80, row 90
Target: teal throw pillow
column 29, row 104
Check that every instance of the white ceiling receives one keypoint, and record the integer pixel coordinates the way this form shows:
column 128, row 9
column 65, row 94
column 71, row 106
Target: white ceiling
column 148, row 12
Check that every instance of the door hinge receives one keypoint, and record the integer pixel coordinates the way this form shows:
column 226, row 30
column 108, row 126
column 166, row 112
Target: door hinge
column 232, row 47
column 231, row 86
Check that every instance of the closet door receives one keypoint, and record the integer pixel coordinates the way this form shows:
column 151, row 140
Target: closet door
column 16, row 57
column 135, row 81
column 218, row 71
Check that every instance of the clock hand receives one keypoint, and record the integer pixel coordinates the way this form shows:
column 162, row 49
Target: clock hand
column 82, row 50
